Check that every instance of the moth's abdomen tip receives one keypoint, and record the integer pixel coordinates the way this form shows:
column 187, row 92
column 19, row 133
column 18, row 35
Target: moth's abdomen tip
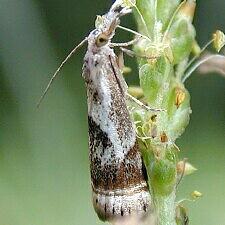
column 120, row 207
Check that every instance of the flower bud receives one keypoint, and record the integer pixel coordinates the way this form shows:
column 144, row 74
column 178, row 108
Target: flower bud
column 188, row 9
column 218, row 40
column 135, row 91
column 196, row 194
column 163, row 137
column 126, row 70
column 182, row 32
column 185, row 168
column 179, row 106
column 180, row 96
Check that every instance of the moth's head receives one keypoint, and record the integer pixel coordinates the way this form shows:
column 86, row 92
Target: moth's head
column 106, row 25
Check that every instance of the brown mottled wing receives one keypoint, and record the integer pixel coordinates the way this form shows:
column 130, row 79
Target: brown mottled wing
column 118, row 183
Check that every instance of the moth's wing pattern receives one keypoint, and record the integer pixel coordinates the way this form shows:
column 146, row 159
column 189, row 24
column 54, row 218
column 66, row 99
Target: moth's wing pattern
column 119, row 76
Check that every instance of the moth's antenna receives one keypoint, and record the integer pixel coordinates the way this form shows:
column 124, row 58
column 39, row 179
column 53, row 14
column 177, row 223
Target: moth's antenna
column 59, row 68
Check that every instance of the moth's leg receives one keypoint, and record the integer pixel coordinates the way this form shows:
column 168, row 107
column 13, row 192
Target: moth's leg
column 120, row 60
column 142, row 105
column 126, row 44
column 134, row 54
column 128, row 52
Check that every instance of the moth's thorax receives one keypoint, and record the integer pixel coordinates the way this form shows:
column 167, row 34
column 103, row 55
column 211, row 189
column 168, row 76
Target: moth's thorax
column 96, row 70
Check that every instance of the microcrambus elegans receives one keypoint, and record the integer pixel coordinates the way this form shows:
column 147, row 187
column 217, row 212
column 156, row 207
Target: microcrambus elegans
column 119, row 187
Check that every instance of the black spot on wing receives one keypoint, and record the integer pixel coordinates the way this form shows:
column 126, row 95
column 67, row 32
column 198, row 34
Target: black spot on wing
column 144, row 208
column 96, row 63
column 121, row 212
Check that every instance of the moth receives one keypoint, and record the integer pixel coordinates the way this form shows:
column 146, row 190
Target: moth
column 118, row 183
column 118, row 180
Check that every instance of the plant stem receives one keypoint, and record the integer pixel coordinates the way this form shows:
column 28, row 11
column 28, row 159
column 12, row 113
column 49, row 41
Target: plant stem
column 165, row 209
column 170, row 24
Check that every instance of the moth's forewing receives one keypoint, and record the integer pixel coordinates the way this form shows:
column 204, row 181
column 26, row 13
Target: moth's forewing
column 118, row 183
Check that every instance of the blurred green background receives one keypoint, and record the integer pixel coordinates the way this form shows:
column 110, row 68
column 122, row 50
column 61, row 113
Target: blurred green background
column 44, row 168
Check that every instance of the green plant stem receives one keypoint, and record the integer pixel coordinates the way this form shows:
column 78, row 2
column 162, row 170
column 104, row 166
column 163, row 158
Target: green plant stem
column 165, row 209
column 170, row 25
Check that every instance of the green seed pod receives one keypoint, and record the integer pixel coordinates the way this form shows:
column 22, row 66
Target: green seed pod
column 182, row 38
column 182, row 32
column 163, row 176
column 165, row 10
column 162, row 91
column 147, row 9
column 154, row 80
column 177, row 103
